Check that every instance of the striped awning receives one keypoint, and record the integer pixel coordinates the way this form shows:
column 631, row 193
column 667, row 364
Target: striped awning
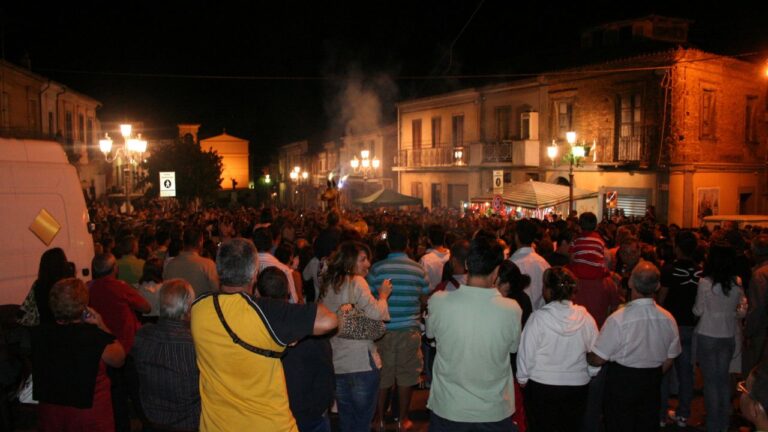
column 534, row 195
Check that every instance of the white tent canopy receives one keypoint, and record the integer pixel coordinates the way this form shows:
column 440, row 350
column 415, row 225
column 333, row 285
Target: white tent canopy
column 535, row 195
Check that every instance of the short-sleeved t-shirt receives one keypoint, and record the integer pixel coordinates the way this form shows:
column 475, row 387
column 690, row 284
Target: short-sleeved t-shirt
column 116, row 302
column 239, row 389
column 681, row 278
column 65, row 362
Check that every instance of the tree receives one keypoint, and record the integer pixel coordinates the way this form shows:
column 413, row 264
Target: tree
column 198, row 172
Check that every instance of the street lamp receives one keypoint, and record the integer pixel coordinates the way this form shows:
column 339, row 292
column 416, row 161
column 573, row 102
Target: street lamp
column 458, row 156
column 297, row 175
column 574, row 156
column 132, row 150
column 365, row 165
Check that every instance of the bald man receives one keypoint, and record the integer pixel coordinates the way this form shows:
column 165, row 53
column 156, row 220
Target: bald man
column 636, row 344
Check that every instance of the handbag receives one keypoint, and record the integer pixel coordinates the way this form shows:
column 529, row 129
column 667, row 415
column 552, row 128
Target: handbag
column 31, row 315
column 353, row 324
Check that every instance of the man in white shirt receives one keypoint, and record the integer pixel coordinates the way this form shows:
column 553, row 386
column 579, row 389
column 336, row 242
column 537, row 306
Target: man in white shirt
column 529, row 261
column 434, row 260
column 638, row 343
column 262, row 239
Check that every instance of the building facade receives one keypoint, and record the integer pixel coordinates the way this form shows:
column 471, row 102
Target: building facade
column 35, row 107
column 681, row 130
column 449, row 145
column 234, row 159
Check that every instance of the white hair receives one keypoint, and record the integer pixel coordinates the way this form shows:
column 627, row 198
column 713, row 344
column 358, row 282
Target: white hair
column 175, row 299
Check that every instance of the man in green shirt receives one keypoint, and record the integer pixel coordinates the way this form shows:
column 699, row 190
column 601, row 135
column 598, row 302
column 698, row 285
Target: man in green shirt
column 475, row 329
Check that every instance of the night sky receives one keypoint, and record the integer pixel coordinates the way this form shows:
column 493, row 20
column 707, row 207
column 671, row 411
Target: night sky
column 164, row 63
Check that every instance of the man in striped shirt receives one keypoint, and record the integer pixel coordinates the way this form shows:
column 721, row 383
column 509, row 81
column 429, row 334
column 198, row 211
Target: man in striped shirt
column 400, row 351
column 588, row 250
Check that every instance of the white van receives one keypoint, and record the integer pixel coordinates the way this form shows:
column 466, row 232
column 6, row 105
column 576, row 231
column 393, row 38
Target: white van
column 35, row 176
column 739, row 220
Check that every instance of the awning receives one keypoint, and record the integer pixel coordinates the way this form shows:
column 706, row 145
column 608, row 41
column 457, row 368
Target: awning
column 533, row 194
column 388, row 197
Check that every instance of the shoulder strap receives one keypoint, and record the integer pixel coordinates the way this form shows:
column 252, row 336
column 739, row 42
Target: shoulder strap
column 348, row 289
column 236, row 339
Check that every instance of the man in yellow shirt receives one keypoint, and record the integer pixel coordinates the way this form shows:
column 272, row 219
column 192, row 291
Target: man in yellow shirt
column 239, row 340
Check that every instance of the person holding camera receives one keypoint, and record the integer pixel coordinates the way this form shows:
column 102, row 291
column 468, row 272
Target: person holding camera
column 69, row 359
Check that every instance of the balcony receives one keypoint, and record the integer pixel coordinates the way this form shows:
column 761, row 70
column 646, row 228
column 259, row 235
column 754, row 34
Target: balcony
column 517, row 153
column 630, row 149
column 432, row 157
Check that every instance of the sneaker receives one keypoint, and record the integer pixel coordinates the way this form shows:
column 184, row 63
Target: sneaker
column 680, row 421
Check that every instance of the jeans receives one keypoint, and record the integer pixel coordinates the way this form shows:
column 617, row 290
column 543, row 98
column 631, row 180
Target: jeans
column 631, row 398
column 356, row 395
column 593, row 414
column 555, row 408
column 439, row 424
column 714, row 356
column 683, row 370
column 323, row 424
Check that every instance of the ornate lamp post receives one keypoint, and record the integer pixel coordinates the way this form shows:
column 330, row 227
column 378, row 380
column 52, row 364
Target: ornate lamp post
column 297, row 175
column 365, row 166
column 574, row 156
column 132, row 150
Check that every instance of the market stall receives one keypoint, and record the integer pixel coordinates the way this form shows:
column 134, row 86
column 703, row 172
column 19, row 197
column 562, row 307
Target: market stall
column 530, row 199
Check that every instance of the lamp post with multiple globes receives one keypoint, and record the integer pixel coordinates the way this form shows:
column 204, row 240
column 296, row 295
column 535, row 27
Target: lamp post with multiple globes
column 132, row 150
column 365, row 166
column 297, row 175
column 574, row 156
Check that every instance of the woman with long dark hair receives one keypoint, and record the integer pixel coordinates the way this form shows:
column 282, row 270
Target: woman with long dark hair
column 719, row 301
column 512, row 283
column 356, row 362
column 53, row 267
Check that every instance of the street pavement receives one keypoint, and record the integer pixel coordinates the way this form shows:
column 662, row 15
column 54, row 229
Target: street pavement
column 24, row 416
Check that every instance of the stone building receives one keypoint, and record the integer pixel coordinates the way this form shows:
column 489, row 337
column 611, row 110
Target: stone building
column 678, row 129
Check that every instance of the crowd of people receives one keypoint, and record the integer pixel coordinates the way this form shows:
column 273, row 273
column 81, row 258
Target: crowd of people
column 231, row 319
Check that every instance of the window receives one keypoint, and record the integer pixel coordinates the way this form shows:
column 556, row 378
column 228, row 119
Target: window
column 5, row 114
column 502, row 123
column 33, row 115
column 436, row 138
column 93, row 151
column 563, row 117
column 457, row 130
column 80, row 127
column 630, row 127
column 437, row 191
column 750, row 120
column 89, row 132
column 416, row 132
column 68, row 128
column 417, row 190
column 708, row 105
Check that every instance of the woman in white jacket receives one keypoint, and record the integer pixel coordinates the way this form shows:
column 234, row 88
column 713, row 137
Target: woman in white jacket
column 552, row 358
